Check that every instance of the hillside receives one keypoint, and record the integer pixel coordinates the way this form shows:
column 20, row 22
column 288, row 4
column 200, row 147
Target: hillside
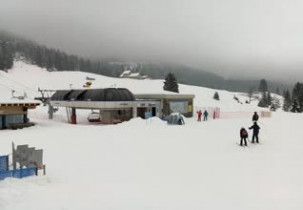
column 146, row 164
column 12, row 47
column 26, row 78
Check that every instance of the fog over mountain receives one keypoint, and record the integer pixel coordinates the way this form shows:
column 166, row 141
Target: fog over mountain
column 236, row 38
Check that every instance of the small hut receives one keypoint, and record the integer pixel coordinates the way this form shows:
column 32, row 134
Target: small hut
column 14, row 114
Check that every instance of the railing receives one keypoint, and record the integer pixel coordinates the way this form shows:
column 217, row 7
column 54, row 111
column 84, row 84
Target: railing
column 216, row 113
column 213, row 112
column 18, row 173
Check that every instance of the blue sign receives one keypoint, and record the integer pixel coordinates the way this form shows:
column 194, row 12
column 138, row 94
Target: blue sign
column 4, row 163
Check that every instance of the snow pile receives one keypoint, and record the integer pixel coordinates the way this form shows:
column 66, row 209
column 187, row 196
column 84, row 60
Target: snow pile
column 153, row 121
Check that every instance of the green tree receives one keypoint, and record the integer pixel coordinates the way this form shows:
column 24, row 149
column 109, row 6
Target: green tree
column 170, row 83
column 263, row 86
column 216, row 96
column 268, row 99
column 263, row 100
column 275, row 104
column 287, row 101
column 297, row 98
column 6, row 55
column 295, row 107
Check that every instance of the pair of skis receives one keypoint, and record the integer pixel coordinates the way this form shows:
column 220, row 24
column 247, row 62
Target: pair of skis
column 243, row 145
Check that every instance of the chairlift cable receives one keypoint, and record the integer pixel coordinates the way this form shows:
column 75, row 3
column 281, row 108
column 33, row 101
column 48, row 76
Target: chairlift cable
column 20, row 84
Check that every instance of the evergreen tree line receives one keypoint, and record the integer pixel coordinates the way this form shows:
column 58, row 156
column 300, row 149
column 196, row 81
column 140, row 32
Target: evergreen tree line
column 273, row 103
column 56, row 60
column 52, row 59
column 294, row 102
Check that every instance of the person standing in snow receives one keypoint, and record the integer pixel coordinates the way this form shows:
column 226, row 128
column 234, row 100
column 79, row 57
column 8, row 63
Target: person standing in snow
column 199, row 115
column 255, row 129
column 255, row 117
column 205, row 115
column 243, row 136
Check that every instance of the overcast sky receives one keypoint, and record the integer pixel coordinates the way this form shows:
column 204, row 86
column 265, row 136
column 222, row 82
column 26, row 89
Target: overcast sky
column 249, row 38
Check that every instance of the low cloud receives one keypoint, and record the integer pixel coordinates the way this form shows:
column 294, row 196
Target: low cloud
column 234, row 38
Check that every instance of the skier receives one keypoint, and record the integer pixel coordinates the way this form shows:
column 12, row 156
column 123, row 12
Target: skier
column 205, row 114
column 243, row 135
column 255, row 117
column 199, row 115
column 256, row 129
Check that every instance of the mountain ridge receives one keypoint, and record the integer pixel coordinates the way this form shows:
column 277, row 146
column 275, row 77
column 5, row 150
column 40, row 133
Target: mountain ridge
column 56, row 60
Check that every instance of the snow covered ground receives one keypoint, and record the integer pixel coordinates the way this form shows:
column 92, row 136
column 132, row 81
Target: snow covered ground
column 146, row 164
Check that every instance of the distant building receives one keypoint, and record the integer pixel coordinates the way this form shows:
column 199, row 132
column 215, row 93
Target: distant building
column 14, row 115
column 131, row 75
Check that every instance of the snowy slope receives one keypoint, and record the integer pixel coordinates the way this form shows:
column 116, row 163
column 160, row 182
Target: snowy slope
column 26, row 78
column 146, row 164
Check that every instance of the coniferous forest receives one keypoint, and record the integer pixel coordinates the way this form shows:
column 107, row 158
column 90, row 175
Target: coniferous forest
column 52, row 59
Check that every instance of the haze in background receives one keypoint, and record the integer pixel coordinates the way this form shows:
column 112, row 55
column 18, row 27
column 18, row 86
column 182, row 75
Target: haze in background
column 235, row 38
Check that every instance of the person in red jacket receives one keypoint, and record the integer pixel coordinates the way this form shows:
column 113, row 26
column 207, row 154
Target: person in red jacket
column 199, row 115
column 243, row 136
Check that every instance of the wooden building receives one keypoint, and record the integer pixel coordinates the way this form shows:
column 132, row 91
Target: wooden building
column 14, row 115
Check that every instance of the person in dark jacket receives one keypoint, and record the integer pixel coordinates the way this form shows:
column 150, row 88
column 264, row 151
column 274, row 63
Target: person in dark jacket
column 255, row 129
column 205, row 115
column 255, row 117
column 243, row 136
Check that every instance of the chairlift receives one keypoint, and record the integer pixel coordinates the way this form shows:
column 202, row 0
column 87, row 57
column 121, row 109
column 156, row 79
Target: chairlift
column 94, row 117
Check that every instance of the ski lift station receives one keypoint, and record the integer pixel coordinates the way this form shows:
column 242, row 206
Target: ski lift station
column 14, row 114
column 115, row 105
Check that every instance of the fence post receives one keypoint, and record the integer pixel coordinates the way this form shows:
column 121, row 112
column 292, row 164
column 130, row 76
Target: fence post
column 44, row 169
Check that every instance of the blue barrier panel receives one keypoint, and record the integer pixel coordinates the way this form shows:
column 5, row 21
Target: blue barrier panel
column 28, row 172
column 5, row 174
column 18, row 173
column 4, row 163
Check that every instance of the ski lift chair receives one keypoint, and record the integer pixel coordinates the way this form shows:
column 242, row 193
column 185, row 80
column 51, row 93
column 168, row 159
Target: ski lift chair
column 94, row 117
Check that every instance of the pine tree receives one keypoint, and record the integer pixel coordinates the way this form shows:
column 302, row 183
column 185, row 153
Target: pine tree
column 6, row 55
column 287, row 101
column 263, row 102
column 263, row 86
column 275, row 104
column 295, row 107
column 216, row 96
column 297, row 97
column 268, row 99
column 298, row 93
column 170, row 83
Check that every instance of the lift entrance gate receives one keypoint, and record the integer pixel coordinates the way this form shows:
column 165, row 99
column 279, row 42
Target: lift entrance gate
column 28, row 158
